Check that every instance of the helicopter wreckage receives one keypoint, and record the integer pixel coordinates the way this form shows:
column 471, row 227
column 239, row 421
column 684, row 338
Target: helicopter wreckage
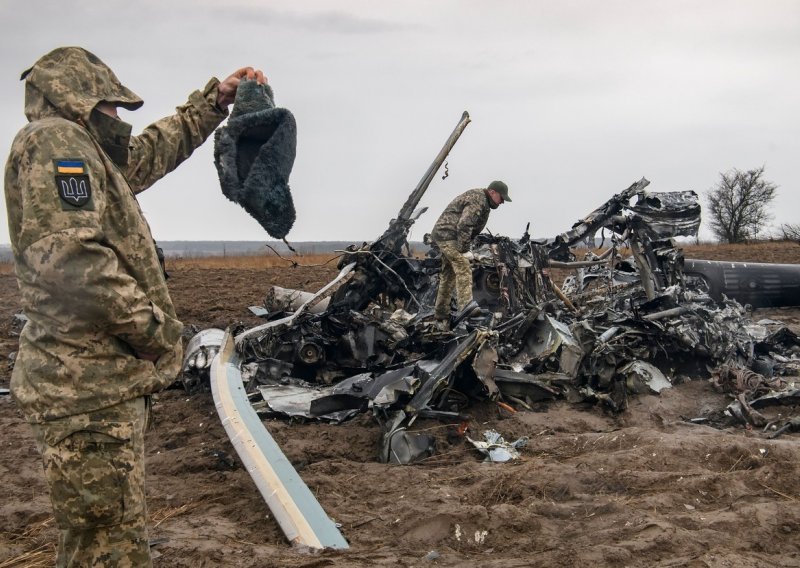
column 629, row 319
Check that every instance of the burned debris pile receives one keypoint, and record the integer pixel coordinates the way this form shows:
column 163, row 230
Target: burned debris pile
column 626, row 320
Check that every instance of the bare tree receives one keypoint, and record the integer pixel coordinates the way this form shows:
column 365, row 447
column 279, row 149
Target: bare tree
column 791, row 232
column 738, row 205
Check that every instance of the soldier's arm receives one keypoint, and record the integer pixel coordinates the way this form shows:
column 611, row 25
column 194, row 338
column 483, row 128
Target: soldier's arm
column 163, row 145
column 64, row 253
column 466, row 225
column 166, row 143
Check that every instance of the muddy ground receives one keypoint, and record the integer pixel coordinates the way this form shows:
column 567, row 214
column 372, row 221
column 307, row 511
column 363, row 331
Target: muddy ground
column 643, row 488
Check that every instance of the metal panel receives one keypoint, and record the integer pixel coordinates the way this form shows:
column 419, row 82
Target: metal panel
column 758, row 284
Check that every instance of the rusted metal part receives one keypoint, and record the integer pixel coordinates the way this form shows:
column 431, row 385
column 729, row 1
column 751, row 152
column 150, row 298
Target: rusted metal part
column 563, row 297
column 732, row 380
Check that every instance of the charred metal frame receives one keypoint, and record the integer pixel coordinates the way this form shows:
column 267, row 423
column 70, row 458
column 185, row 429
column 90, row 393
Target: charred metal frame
column 620, row 326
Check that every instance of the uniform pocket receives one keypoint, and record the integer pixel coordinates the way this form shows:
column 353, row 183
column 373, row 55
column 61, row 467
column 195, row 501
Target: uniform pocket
column 89, row 471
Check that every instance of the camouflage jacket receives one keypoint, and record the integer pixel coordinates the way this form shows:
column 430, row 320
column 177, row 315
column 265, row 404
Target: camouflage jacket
column 86, row 263
column 463, row 219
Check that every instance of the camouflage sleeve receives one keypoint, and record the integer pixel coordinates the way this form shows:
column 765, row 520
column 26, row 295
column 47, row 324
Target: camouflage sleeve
column 64, row 252
column 166, row 143
column 465, row 229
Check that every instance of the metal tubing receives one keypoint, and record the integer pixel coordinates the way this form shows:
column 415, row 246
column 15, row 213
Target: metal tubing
column 419, row 191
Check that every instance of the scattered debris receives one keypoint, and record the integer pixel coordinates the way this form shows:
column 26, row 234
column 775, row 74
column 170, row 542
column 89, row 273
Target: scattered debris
column 496, row 449
column 628, row 320
column 792, row 425
column 200, row 351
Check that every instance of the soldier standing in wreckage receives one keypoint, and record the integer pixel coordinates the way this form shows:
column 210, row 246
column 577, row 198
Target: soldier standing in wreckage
column 459, row 223
column 102, row 333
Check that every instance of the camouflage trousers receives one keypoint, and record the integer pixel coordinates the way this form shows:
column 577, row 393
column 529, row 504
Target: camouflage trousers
column 94, row 464
column 456, row 273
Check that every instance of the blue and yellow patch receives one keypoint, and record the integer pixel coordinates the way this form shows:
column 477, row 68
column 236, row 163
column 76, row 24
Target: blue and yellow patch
column 73, row 185
column 70, row 167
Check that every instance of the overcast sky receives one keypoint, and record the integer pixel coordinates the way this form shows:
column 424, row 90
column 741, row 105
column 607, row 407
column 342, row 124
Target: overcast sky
column 571, row 101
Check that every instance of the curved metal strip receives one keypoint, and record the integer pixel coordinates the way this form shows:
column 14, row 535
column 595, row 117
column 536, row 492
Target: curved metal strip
column 297, row 511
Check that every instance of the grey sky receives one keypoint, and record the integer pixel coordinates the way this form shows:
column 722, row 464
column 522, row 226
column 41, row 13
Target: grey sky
column 571, row 101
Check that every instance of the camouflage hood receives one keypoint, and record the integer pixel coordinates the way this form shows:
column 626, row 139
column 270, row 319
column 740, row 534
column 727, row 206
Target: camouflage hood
column 69, row 82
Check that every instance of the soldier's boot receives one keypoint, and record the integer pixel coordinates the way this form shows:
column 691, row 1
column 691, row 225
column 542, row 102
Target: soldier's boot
column 471, row 309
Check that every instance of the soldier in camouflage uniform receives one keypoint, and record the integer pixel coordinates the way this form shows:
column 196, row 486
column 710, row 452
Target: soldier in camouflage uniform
column 102, row 333
column 459, row 223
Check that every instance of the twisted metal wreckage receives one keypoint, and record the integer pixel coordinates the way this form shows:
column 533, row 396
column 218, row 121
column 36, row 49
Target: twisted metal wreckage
column 633, row 318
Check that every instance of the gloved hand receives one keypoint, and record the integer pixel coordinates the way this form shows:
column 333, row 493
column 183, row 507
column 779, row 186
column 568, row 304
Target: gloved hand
column 468, row 255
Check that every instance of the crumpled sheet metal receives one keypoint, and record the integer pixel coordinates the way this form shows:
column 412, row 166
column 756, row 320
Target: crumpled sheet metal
column 287, row 300
column 343, row 400
column 770, row 380
column 745, row 411
column 591, row 349
column 620, row 337
column 531, row 388
column 668, row 214
column 291, row 400
column 402, row 447
column 788, row 397
column 642, row 377
column 496, row 449
column 484, row 363
column 297, row 401
column 548, row 339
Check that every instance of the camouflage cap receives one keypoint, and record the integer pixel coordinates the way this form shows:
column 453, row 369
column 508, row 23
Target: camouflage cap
column 500, row 188
column 73, row 80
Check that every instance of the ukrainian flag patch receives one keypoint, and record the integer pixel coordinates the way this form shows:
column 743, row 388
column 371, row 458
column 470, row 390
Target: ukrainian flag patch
column 70, row 167
column 73, row 185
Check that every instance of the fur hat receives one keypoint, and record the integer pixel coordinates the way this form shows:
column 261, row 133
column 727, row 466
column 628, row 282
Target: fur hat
column 254, row 154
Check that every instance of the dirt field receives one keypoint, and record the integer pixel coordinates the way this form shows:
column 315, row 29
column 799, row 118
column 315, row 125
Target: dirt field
column 644, row 488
